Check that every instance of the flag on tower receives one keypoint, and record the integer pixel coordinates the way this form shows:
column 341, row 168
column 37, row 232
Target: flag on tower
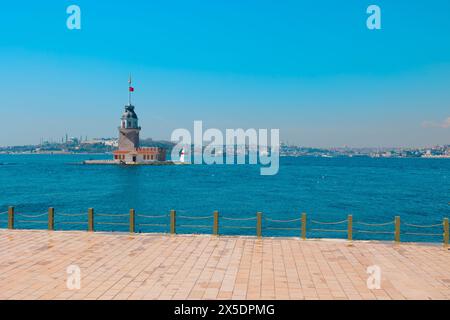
column 130, row 90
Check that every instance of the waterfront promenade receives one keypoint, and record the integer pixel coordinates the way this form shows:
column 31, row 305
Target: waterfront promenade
column 33, row 265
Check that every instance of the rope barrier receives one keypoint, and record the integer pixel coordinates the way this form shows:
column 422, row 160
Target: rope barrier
column 238, row 219
column 258, row 227
column 375, row 224
column 424, row 234
column 111, row 215
column 192, row 226
column 195, row 218
column 70, row 214
column 328, row 223
column 273, row 228
column 328, row 230
column 234, row 227
column 32, row 215
column 30, row 221
column 373, row 232
column 70, row 222
column 152, row 217
column 283, row 221
column 425, row 226
column 151, row 225
column 112, row 223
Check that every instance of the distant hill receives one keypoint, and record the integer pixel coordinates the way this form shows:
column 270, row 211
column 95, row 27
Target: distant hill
column 149, row 142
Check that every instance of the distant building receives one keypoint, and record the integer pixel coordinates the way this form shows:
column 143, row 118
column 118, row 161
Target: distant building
column 106, row 142
column 128, row 148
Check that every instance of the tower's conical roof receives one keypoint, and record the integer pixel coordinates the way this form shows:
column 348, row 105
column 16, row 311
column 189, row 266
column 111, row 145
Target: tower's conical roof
column 129, row 113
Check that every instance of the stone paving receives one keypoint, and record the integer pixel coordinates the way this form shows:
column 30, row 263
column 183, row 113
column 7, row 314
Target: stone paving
column 33, row 265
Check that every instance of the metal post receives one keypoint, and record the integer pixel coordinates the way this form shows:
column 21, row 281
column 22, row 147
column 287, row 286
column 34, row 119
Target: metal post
column 304, row 226
column 132, row 220
column 216, row 223
column 173, row 220
column 350, row 227
column 91, row 219
column 397, row 229
column 11, row 218
column 446, row 232
column 259, row 224
column 51, row 219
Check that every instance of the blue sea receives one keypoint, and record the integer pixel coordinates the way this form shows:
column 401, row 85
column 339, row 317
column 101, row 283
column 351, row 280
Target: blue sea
column 326, row 189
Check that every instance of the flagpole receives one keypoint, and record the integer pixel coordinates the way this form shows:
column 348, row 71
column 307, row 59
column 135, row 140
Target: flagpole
column 129, row 91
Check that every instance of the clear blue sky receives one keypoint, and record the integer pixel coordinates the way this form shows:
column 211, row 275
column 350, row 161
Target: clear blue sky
column 310, row 68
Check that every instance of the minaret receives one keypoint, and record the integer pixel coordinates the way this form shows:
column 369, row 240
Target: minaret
column 129, row 129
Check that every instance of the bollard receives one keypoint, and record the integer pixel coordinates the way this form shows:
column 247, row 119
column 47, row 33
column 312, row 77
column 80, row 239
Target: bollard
column 91, row 219
column 216, row 223
column 259, row 224
column 350, row 227
column 397, row 229
column 446, row 232
column 173, row 220
column 51, row 219
column 304, row 226
column 132, row 220
column 11, row 218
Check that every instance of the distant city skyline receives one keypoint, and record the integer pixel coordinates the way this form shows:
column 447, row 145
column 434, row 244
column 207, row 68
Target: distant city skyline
column 313, row 70
column 91, row 140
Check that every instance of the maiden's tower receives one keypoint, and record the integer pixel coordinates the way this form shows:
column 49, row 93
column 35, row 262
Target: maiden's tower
column 129, row 151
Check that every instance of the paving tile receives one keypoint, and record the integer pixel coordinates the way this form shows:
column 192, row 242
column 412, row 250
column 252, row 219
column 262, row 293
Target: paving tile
column 118, row 266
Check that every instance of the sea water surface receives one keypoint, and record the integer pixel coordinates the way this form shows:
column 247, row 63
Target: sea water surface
column 327, row 189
